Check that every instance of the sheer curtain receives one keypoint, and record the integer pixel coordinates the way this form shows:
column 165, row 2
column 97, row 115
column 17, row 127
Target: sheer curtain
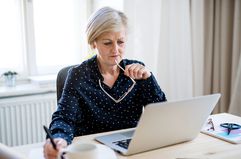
column 192, row 47
column 160, row 36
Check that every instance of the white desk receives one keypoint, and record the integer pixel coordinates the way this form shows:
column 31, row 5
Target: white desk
column 203, row 147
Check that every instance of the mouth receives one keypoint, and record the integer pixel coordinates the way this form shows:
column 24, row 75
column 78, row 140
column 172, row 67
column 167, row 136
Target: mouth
column 114, row 55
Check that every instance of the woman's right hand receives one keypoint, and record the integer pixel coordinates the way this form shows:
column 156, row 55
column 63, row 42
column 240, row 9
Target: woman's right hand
column 50, row 152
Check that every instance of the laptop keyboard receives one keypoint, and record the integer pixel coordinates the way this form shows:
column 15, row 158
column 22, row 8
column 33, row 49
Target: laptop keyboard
column 123, row 143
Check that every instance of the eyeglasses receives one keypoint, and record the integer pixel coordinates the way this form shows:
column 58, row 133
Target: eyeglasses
column 125, row 94
column 230, row 126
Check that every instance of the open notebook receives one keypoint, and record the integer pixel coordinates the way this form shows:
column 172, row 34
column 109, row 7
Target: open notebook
column 220, row 132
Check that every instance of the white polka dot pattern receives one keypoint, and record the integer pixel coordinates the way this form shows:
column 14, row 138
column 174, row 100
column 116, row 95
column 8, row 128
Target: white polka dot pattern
column 85, row 109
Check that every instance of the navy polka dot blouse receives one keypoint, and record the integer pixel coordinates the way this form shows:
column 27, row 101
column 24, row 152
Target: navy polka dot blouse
column 85, row 109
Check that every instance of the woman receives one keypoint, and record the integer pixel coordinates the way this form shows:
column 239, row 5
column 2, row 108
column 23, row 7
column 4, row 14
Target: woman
column 105, row 92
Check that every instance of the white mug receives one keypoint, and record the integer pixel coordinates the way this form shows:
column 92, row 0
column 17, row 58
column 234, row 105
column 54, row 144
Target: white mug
column 87, row 151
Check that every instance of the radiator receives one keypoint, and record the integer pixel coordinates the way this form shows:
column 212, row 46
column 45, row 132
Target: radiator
column 22, row 118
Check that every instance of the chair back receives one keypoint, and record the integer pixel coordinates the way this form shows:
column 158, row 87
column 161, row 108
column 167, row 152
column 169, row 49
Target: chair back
column 61, row 77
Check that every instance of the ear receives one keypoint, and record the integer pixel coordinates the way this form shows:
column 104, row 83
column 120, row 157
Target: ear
column 94, row 45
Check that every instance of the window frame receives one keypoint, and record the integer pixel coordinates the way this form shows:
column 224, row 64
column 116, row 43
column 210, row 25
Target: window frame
column 29, row 42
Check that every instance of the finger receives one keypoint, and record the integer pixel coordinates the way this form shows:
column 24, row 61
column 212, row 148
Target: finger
column 146, row 74
column 61, row 143
column 49, row 151
column 140, row 73
column 126, row 70
column 133, row 70
column 50, row 145
column 49, row 154
column 51, row 157
column 136, row 71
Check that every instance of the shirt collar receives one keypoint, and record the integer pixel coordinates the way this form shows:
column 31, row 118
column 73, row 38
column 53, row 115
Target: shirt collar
column 94, row 63
column 95, row 73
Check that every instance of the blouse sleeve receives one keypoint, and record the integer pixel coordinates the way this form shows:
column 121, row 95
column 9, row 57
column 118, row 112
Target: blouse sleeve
column 64, row 119
column 151, row 91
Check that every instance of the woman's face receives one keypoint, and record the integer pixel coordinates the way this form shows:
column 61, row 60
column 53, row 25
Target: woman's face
column 110, row 47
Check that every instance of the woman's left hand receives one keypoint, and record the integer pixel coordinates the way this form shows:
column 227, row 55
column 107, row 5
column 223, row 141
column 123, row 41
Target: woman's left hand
column 137, row 71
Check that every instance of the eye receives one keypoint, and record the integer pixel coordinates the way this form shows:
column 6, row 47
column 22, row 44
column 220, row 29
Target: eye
column 107, row 43
column 120, row 42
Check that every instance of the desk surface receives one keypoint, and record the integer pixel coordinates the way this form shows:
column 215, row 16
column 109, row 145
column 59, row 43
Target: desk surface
column 202, row 147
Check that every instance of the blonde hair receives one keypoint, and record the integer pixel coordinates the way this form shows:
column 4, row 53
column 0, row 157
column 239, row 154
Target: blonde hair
column 104, row 20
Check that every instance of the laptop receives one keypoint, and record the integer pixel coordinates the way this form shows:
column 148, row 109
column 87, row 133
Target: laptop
column 163, row 124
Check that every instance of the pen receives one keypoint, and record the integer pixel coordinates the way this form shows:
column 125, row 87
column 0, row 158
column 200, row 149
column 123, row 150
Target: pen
column 50, row 136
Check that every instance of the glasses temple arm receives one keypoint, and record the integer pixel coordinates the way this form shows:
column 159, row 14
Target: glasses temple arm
column 124, row 70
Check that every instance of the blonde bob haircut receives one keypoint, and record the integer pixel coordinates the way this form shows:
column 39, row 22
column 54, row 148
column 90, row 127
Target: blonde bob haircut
column 103, row 20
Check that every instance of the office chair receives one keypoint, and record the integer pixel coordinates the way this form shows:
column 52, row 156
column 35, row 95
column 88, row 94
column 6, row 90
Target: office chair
column 61, row 77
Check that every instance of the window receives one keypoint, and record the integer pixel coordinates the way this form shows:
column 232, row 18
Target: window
column 59, row 33
column 40, row 37
column 11, row 36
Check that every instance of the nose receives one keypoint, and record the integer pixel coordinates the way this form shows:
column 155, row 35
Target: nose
column 115, row 48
